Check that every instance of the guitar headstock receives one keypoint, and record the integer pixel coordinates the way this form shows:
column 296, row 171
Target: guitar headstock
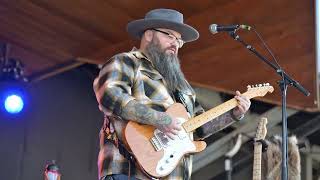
column 262, row 129
column 259, row 90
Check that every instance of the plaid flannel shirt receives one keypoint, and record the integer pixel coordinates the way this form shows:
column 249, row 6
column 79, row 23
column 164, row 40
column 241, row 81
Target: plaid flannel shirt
column 131, row 76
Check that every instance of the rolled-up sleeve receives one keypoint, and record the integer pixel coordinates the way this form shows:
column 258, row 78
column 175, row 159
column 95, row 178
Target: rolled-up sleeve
column 113, row 85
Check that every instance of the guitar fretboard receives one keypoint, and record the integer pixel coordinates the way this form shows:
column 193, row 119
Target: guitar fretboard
column 207, row 116
column 256, row 175
column 198, row 121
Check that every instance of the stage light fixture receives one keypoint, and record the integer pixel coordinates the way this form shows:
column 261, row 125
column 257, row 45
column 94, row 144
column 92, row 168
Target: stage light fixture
column 12, row 83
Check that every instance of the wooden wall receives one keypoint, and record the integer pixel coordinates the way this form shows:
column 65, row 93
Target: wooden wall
column 45, row 34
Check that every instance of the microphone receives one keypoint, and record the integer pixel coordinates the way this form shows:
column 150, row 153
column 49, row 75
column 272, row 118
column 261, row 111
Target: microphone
column 215, row 28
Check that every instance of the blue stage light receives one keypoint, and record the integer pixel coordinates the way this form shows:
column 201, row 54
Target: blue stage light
column 13, row 104
column 12, row 82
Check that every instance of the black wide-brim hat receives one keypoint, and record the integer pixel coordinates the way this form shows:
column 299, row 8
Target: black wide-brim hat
column 163, row 18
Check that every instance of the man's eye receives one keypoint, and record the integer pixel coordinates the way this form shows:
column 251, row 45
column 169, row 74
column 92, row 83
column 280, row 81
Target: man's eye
column 171, row 37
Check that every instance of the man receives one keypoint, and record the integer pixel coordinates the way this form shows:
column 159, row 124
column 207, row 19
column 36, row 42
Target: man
column 140, row 85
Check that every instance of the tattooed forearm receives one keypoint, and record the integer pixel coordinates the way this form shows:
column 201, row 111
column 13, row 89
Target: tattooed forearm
column 216, row 125
column 141, row 113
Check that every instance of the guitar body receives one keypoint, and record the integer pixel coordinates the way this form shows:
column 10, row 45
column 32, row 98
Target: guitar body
column 156, row 154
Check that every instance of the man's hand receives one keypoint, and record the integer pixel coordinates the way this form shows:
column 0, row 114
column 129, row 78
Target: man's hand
column 169, row 126
column 243, row 105
column 138, row 112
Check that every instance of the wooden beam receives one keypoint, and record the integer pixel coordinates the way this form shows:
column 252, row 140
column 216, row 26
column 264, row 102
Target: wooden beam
column 313, row 151
column 87, row 60
column 90, row 17
column 308, row 128
column 59, row 68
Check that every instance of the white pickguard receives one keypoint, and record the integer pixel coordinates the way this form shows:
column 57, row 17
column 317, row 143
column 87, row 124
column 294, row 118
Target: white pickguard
column 174, row 149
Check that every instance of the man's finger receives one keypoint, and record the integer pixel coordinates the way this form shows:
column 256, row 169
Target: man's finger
column 175, row 132
column 177, row 127
column 170, row 135
column 244, row 103
column 241, row 108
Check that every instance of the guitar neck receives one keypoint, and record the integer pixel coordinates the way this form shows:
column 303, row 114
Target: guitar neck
column 256, row 175
column 207, row 116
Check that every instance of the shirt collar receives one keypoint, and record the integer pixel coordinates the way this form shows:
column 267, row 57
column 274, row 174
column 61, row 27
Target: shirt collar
column 139, row 55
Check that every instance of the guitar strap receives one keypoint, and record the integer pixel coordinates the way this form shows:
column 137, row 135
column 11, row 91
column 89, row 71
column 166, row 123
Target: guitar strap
column 263, row 143
column 182, row 98
column 187, row 102
column 111, row 136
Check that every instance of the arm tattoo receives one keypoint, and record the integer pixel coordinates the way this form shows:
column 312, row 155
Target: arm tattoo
column 141, row 113
column 216, row 124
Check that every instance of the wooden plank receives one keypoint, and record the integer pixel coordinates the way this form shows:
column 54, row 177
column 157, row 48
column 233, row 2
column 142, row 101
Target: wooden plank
column 28, row 38
column 189, row 7
column 289, row 34
column 221, row 60
column 95, row 16
column 32, row 62
column 54, row 70
column 52, row 26
column 103, row 54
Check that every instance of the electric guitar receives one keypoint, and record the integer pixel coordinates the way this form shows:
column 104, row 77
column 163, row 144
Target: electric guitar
column 260, row 135
column 156, row 154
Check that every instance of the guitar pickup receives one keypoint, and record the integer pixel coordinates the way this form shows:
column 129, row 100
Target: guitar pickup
column 155, row 143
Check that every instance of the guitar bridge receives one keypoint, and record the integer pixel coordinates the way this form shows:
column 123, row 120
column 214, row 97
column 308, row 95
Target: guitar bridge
column 159, row 140
column 155, row 143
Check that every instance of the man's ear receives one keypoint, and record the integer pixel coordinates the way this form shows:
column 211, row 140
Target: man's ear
column 148, row 35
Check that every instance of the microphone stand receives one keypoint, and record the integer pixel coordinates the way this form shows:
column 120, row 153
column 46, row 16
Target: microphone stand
column 283, row 83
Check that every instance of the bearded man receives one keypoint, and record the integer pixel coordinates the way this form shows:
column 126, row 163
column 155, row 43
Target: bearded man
column 142, row 84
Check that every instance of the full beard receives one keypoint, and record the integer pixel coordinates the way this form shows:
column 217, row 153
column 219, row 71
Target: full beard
column 168, row 65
